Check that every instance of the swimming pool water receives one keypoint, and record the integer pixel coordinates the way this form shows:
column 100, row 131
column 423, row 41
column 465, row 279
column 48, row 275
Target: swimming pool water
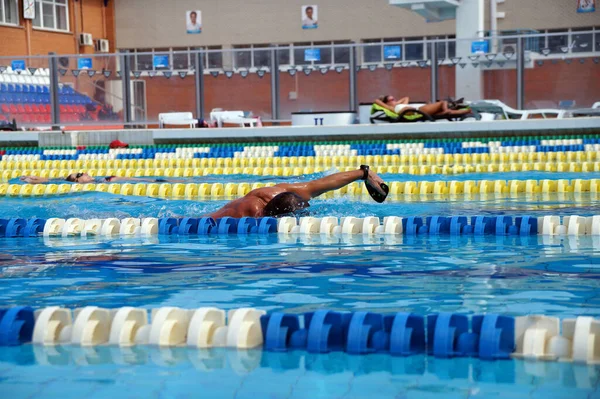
column 508, row 275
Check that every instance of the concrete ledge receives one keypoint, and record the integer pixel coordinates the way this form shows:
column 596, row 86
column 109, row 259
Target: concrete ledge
column 396, row 131
column 385, row 131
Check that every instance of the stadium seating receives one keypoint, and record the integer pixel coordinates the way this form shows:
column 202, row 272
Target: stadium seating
column 26, row 98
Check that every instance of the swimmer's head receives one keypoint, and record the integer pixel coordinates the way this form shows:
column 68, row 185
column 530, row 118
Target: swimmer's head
column 285, row 203
column 79, row 178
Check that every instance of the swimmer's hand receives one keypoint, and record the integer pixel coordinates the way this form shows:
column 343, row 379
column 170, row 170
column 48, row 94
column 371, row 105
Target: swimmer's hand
column 375, row 181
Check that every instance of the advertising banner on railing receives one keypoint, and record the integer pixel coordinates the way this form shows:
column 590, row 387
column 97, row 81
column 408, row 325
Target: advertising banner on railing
column 586, row 5
column 312, row 54
column 391, row 53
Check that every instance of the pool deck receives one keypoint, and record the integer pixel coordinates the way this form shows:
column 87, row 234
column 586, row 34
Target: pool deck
column 307, row 133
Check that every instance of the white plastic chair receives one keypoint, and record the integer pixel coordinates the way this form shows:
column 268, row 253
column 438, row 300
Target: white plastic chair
column 176, row 118
column 596, row 105
column 233, row 117
column 525, row 114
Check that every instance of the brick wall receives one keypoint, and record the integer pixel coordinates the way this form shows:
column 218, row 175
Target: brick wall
column 329, row 92
column 83, row 17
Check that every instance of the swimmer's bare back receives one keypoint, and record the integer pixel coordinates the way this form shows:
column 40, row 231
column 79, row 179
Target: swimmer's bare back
column 251, row 205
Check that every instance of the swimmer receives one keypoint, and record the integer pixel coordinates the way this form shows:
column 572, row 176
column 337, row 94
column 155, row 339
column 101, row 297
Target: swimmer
column 83, row 178
column 285, row 198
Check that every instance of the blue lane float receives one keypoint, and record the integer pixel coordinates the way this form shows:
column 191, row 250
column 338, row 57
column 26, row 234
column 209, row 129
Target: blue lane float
column 500, row 225
column 442, row 335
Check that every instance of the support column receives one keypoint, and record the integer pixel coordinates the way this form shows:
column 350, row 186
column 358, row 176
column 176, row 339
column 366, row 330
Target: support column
column 520, row 72
column 274, row 85
column 126, row 86
column 54, row 91
column 199, row 68
column 469, row 25
column 352, row 83
column 434, row 72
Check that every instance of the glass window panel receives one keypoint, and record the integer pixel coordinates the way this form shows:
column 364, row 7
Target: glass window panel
column 341, row 55
column 37, row 21
column 440, row 47
column 582, row 42
column 61, row 1
column 452, row 48
column 597, row 39
column 299, row 54
column 283, row 56
column 10, row 12
column 242, row 58
column 61, row 17
column 262, row 58
column 414, row 51
column 47, row 15
column 557, row 43
column 215, row 59
column 180, row 59
column 372, row 50
column 2, row 11
column 144, row 61
column 325, row 51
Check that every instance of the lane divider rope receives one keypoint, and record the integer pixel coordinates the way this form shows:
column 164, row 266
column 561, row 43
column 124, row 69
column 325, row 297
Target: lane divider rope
column 30, row 162
column 422, row 189
column 417, row 170
column 501, row 225
column 443, row 335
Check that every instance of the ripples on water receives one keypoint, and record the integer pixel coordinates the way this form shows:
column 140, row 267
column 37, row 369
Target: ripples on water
column 510, row 275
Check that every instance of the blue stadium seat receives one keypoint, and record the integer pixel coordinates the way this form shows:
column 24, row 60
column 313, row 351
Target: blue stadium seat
column 19, row 88
column 11, row 88
column 40, row 89
column 3, row 88
column 46, row 89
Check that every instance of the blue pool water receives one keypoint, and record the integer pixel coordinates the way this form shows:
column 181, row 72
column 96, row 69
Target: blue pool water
column 470, row 275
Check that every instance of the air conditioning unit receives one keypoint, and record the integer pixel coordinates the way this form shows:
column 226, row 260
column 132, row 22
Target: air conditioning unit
column 85, row 39
column 509, row 48
column 102, row 46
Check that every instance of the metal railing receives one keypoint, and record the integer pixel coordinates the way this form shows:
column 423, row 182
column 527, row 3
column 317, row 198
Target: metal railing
column 435, row 53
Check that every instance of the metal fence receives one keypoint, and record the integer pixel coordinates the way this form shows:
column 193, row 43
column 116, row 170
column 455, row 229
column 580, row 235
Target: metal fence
column 132, row 88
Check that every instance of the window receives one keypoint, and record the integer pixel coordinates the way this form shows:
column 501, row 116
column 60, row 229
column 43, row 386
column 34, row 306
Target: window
column 557, row 43
column 299, row 54
column 181, row 59
column 52, row 14
column 582, row 42
column 242, row 58
column 283, row 56
column 413, row 50
column 341, row 55
column 9, row 13
column 143, row 61
column 372, row 50
column 251, row 56
column 214, row 59
column 452, row 47
column 261, row 58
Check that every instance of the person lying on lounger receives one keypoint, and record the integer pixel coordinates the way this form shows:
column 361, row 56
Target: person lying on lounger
column 440, row 108
column 83, row 178
column 283, row 199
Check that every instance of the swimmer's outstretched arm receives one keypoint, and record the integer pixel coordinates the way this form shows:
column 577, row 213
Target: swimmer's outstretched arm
column 35, row 179
column 335, row 181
